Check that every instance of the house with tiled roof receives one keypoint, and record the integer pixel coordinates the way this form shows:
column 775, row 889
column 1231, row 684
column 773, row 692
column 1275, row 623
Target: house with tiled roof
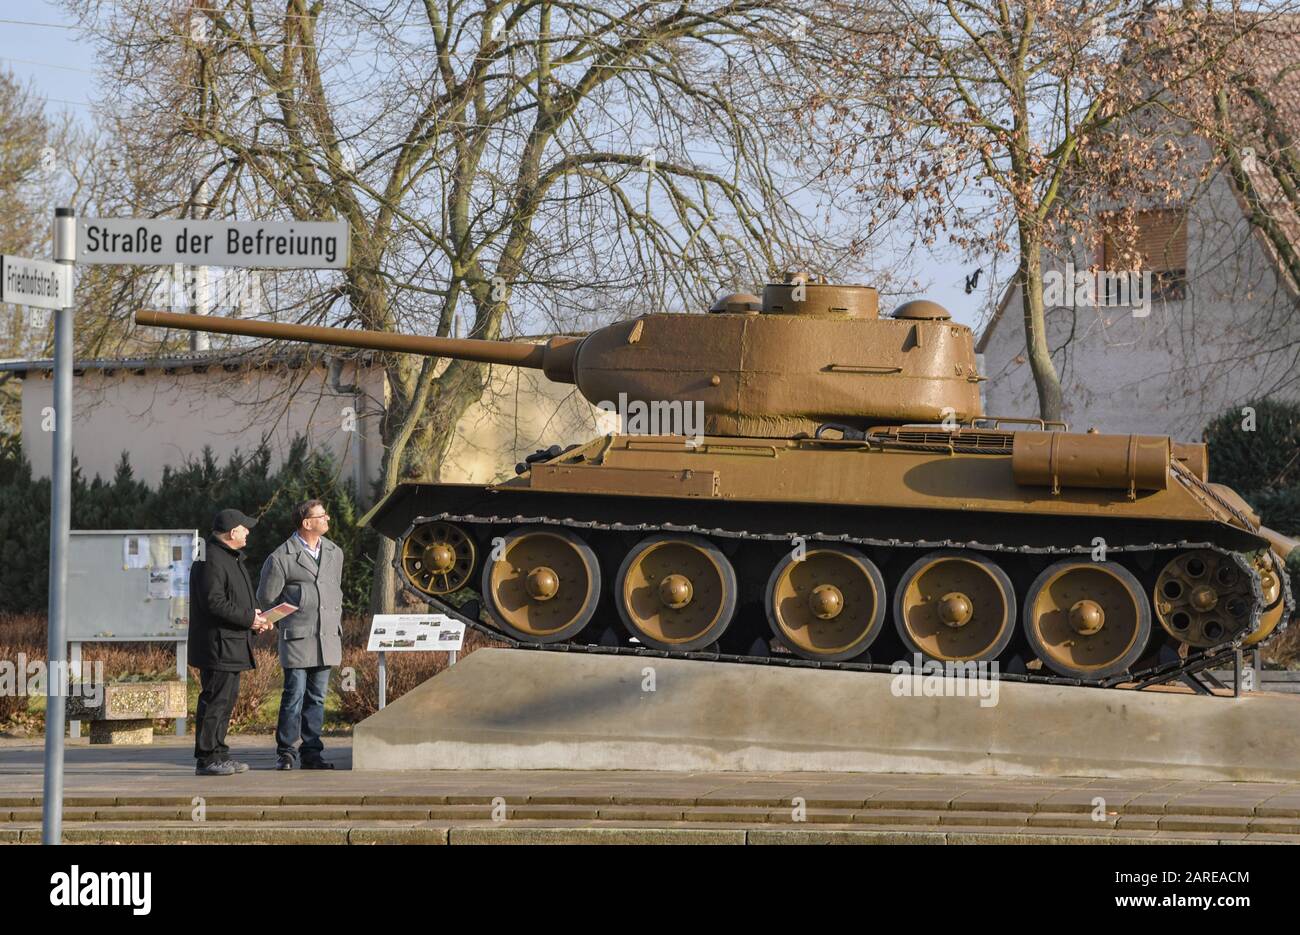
column 1221, row 323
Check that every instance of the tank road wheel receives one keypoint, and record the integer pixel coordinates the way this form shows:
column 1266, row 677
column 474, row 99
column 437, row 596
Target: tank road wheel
column 544, row 586
column 955, row 606
column 829, row 606
column 1203, row 598
column 676, row 592
column 1087, row 620
column 1270, row 571
column 438, row 558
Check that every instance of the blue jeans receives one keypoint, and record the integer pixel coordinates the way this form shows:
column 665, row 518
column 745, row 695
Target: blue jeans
column 302, row 712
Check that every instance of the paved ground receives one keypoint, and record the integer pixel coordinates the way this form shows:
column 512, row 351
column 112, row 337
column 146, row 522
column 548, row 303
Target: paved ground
column 141, row 794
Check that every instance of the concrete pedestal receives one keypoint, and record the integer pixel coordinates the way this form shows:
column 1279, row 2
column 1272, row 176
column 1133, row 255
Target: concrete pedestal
column 132, row 733
column 521, row 709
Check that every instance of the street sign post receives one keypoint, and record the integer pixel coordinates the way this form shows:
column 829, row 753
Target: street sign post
column 65, row 251
column 35, row 283
column 258, row 244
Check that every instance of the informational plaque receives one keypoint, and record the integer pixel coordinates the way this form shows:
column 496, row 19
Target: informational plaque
column 405, row 633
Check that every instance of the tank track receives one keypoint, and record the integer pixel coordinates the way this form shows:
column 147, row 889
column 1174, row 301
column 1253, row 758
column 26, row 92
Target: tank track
column 1163, row 672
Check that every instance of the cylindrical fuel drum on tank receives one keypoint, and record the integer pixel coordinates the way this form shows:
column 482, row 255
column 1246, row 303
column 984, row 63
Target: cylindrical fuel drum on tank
column 1112, row 462
column 1195, row 457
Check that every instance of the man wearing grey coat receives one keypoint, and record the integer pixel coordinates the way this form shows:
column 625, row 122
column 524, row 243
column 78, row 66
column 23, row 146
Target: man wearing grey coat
column 306, row 571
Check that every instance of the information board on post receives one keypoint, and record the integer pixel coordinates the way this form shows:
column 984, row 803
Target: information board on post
column 398, row 633
column 35, row 283
column 130, row 584
column 250, row 244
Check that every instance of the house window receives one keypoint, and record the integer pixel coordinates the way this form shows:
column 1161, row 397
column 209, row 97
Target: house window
column 1160, row 245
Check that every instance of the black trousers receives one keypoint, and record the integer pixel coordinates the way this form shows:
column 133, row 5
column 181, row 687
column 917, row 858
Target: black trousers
column 216, row 704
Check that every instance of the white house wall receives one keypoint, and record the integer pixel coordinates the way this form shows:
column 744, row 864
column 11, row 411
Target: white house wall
column 1235, row 337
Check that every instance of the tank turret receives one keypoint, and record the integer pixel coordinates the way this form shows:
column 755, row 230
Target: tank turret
column 807, row 354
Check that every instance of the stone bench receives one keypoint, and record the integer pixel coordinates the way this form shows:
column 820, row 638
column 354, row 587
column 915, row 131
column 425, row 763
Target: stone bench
column 128, row 709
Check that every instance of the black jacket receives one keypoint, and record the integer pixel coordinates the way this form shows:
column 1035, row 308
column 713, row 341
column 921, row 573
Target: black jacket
column 222, row 601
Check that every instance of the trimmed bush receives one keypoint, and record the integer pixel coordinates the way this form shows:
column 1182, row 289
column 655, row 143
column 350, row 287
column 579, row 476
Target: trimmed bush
column 256, row 686
column 405, row 671
column 1262, row 464
column 1264, row 458
column 19, row 635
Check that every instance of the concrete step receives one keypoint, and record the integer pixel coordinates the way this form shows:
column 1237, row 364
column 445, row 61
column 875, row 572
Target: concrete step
column 1215, row 818
column 516, row 831
column 1261, row 801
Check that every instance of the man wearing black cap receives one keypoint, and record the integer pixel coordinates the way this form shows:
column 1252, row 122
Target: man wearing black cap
column 224, row 619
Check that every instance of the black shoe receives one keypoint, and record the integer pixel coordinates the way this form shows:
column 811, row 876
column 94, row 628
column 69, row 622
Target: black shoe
column 285, row 762
column 224, row 768
column 317, row 764
column 239, row 767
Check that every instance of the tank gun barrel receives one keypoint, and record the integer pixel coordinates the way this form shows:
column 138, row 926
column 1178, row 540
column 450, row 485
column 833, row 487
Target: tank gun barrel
column 554, row 358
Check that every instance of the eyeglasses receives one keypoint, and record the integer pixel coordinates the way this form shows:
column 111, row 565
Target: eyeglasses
column 318, row 516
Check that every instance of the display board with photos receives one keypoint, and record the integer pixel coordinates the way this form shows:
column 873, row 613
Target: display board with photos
column 129, row 584
column 405, row 633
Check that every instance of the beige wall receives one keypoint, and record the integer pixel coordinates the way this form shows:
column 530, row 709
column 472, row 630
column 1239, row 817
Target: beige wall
column 521, row 412
column 162, row 419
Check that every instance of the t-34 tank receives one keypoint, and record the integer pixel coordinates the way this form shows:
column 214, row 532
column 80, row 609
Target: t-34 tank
column 842, row 501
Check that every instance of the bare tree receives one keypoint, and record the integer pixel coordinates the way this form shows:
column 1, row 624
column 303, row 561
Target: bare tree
column 1255, row 135
column 33, row 146
column 504, row 168
column 1014, row 125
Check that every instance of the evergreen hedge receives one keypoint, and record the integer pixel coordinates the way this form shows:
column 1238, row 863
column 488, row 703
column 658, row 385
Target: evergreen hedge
column 1260, row 459
column 185, row 498
column 1264, row 458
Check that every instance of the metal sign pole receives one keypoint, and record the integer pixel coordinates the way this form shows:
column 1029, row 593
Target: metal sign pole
column 65, row 252
column 383, row 680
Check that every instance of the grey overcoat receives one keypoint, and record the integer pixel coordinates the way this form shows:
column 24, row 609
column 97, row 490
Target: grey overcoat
column 313, row 635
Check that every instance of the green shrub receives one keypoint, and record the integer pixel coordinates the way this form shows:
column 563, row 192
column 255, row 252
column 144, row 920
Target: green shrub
column 1278, row 509
column 1263, row 465
column 185, row 498
column 1265, row 458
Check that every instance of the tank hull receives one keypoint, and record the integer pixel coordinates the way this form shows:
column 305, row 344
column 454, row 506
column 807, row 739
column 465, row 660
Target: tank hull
column 895, row 492
column 895, row 526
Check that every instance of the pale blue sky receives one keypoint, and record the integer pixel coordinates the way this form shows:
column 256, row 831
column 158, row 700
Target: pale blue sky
column 39, row 43
column 51, row 56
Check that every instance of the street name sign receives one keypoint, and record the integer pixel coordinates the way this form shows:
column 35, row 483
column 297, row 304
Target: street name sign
column 35, row 283
column 254, row 244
